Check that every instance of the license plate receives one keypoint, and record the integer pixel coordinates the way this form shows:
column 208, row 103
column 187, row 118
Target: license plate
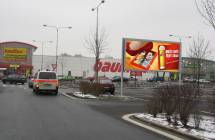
column 47, row 85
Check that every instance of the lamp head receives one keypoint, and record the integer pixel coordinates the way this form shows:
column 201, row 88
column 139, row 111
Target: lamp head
column 93, row 9
column 103, row 1
column 44, row 25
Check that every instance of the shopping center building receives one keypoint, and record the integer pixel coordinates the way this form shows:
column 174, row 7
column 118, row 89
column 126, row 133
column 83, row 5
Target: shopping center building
column 16, row 57
column 81, row 66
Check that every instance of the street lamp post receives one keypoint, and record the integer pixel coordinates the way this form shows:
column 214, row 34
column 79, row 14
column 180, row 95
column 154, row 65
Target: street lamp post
column 42, row 45
column 180, row 58
column 57, row 28
column 97, row 36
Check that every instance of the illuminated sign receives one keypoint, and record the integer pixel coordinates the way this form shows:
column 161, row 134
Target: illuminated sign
column 144, row 55
column 15, row 53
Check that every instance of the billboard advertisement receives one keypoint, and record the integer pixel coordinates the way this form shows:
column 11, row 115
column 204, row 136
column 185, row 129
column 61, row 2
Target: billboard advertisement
column 16, row 54
column 147, row 55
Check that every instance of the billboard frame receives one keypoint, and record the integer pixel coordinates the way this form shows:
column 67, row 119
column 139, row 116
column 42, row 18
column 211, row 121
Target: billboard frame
column 148, row 40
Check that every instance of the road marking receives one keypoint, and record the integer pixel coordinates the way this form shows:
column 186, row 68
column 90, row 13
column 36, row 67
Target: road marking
column 64, row 94
column 127, row 118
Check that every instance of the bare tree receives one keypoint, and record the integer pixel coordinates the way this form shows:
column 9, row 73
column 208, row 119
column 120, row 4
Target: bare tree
column 96, row 47
column 206, row 8
column 198, row 51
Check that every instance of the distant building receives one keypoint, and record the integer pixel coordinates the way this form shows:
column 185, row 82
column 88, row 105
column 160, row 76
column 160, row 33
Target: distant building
column 16, row 57
column 81, row 66
column 190, row 68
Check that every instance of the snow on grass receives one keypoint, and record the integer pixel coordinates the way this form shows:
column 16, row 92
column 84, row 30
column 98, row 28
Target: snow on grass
column 81, row 95
column 206, row 129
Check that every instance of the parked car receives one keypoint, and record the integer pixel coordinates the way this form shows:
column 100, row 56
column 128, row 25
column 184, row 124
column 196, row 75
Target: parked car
column 45, row 81
column 107, row 85
column 189, row 80
column 155, row 79
column 14, row 78
column 118, row 79
column 30, row 83
column 203, row 81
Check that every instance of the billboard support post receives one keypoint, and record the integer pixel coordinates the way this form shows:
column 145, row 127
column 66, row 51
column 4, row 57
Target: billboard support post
column 180, row 63
column 122, row 68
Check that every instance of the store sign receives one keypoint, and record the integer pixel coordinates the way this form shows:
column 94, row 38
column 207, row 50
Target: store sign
column 14, row 65
column 15, row 54
column 112, row 67
column 108, row 66
column 144, row 55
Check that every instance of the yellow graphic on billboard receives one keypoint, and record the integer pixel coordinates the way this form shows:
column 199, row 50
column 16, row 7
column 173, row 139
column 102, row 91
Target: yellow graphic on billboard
column 15, row 53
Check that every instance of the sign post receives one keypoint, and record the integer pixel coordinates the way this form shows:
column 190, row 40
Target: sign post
column 122, row 67
column 54, row 67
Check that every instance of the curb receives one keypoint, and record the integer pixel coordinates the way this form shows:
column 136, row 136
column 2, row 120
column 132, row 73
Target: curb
column 102, row 98
column 68, row 96
column 121, row 98
column 163, row 128
column 129, row 118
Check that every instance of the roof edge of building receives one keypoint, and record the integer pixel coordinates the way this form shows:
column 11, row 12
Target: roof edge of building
column 35, row 47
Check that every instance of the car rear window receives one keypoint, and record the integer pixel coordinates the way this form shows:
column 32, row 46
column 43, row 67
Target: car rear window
column 105, row 81
column 47, row 75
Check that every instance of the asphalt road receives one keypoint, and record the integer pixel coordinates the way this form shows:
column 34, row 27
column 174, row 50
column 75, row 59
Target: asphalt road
column 26, row 116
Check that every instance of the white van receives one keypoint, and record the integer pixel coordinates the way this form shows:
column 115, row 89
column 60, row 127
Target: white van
column 45, row 81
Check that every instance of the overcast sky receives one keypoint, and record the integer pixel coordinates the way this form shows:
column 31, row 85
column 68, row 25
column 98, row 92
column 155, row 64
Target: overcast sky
column 22, row 20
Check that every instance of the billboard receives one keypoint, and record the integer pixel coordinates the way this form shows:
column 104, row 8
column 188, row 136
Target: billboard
column 16, row 54
column 147, row 55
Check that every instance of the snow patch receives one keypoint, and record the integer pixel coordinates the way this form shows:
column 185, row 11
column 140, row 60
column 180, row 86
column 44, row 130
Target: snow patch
column 206, row 129
column 81, row 95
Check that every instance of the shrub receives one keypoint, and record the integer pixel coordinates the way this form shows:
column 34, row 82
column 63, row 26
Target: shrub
column 212, row 105
column 167, row 95
column 96, row 89
column 152, row 106
column 85, row 87
column 197, row 118
column 188, row 95
column 92, row 88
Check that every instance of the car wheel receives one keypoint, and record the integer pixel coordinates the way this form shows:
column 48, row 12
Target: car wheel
column 112, row 93
column 4, row 82
column 22, row 83
column 36, row 91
